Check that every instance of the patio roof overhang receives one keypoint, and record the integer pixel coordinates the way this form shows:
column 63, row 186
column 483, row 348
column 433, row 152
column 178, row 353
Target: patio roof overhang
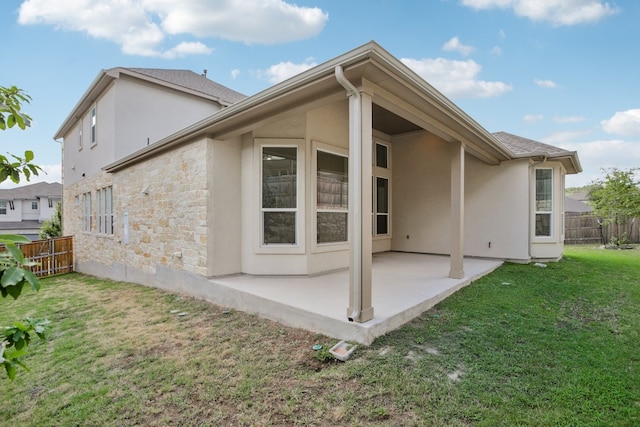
column 394, row 86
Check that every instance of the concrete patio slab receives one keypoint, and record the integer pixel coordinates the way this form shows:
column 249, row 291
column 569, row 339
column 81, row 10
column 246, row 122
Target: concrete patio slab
column 404, row 286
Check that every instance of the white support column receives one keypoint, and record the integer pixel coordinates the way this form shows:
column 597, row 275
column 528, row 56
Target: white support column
column 456, row 270
column 360, row 193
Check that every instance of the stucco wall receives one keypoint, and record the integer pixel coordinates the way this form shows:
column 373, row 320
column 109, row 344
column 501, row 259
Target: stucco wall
column 421, row 184
column 497, row 209
column 496, row 201
column 145, row 113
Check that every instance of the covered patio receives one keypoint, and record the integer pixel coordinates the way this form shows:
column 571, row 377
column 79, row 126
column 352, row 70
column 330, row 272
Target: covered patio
column 404, row 285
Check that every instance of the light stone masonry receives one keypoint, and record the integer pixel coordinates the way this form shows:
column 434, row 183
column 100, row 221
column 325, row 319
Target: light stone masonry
column 166, row 201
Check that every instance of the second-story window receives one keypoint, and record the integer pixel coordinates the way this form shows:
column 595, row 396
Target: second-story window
column 93, row 125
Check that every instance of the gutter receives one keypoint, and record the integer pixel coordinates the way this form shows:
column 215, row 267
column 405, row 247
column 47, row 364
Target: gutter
column 355, row 188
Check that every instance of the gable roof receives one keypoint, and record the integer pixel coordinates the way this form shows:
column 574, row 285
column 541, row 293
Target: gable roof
column 398, row 89
column 528, row 148
column 185, row 81
column 189, row 80
column 32, row 191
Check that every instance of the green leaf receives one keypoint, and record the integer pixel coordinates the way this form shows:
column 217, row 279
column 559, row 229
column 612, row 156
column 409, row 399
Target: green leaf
column 32, row 279
column 28, row 156
column 11, row 120
column 14, row 291
column 12, row 277
column 15, row 252
column 13, row 238
column 10, row 368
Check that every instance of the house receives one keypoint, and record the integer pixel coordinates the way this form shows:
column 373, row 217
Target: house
column 356, row 156
column 24, row 209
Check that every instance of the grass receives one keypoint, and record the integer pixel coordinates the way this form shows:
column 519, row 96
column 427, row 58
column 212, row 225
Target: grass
column 524, row 345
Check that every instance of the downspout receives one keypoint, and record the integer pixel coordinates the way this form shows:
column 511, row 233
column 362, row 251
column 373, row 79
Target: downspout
column 355, row 153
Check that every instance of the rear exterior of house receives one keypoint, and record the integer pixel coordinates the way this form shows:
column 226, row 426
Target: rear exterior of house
column 313, row 175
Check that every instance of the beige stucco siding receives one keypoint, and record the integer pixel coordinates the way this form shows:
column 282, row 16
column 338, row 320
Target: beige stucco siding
column 421, row 194
column 496, row 209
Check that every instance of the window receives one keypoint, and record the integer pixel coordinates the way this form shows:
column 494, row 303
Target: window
column 86, row 211
column 34, row 206
column 382, row 156
column 93, row 125
column 50, row 203
column 80, row 135
column 382, row 206
column 381, row 184
column 544, row 205
column 105, row 210
column 279, row 200
column 3, row 207
column 332, row 200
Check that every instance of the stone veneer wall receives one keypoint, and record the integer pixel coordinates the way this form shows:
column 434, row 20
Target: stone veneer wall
column 167, row 200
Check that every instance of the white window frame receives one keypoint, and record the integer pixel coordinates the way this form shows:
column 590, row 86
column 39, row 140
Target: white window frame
column 93, row 121
column 3, row 207
column 550, row 212
column 80, row 135
column 34, row 205
column 105, row 210
column 87, row 217
column 331, row 246
column 384, row 173
column 299, row 246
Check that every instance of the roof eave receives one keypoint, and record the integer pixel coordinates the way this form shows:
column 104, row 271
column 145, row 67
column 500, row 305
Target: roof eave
column 221, row 121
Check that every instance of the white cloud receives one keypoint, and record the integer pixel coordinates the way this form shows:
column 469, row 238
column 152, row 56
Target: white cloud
column 53, row 173
column 568, row 119
column 235, row 73
column 623, row 123
column 457, row 79
column 497, row 50
column 549, row 84
column 283, row 70
column 557, row 12
column 533, row 118
column 595, row 155
column 564, row 137
column 186, row 48
column 456, row 45
column 141, row 27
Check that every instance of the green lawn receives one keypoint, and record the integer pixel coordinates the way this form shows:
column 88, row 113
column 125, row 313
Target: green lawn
column 529, row 346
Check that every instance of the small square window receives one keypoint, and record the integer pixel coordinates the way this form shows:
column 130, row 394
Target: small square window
column 382, row 156
column 34, row 206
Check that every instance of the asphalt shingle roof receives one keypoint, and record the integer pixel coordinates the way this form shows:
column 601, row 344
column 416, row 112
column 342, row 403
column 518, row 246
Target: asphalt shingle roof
column 193, row 81
column 32, row 191
column 526, row 147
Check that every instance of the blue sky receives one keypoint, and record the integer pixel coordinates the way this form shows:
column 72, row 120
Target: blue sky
column 564, row 72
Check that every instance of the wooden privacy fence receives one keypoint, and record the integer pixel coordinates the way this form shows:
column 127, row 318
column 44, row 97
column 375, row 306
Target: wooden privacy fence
column 54, row 256
column 585, row 228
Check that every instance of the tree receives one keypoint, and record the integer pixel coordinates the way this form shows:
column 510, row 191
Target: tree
column 616, row 198
column 14, row 272
column 53, row 226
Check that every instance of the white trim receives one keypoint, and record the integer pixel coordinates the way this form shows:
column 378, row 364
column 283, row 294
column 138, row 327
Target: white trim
column 299, row 246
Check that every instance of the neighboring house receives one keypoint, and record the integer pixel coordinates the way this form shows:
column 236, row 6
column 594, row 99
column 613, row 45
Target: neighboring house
column 24, row 209
column 167, row 186
column 575, row 206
